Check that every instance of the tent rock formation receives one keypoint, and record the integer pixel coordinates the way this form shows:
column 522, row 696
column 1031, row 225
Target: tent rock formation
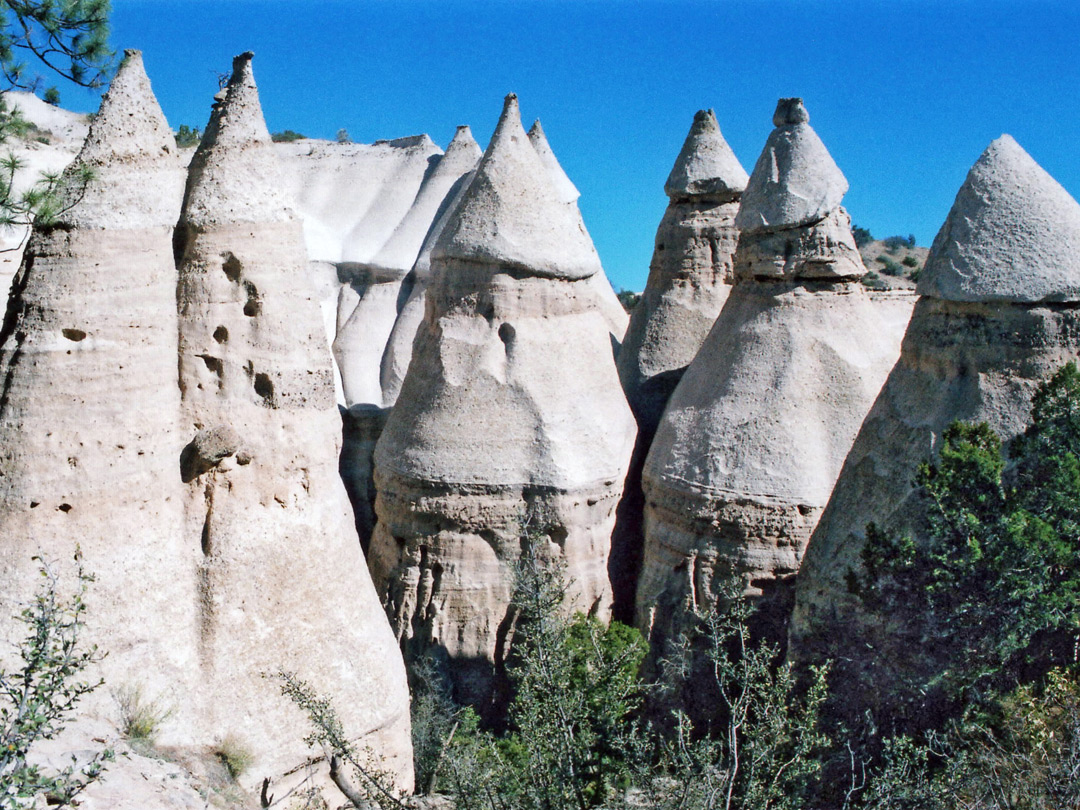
column 510, row 422
column 755, row 434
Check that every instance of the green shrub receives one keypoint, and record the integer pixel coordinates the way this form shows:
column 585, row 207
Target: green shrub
column 187, row 137
column 343, row 136
column 862, row 236
column 235, row 756
column 51, row 96
column 909, row 261
column 38, row 698
column 628, row 298
column 873, row 281
column 889, row 267
column 287, row 136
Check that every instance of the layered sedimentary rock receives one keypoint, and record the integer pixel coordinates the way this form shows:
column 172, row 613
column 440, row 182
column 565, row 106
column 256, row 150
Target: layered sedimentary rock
column 690, row 274
column 754, row 435
column 378, row 318
column 689, row 279
column 264, row 505
column 997, row 316
column 606, row 298
column 89, row 406
column 510, row 423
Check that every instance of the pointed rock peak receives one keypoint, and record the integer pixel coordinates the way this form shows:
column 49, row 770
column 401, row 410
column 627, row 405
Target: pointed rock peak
column 563, row 185
column 239, row 118
column 795, row 181
column 513, row 217
column 706, row 166
column 790, row 111
column 1013, row 234
column 463, row 152
column 130, row 122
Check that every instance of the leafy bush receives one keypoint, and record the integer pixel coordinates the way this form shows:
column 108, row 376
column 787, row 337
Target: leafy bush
column 287, row 136
column 51, row 96
column 895, row 243
column 873, row 281
column 187, row 136
column 862, row 236
column 343, row 136
column 909, row 261
column 628, row 298
column 37, row 699
column 889, row 267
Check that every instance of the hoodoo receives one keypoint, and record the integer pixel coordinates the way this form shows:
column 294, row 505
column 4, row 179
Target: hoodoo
column 997, row 316
column 690, row 274
column 89, row 408
column 374, row 342
column 510, row 427
column 265, row 507
column 689, row 279
column 753, row 437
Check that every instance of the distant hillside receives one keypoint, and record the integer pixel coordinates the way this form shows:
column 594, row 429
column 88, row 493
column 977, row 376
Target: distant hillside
column 893, row 262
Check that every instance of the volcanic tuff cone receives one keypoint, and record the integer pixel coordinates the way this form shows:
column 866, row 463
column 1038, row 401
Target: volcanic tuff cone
column 89, row 407
column 754, row 436
column 988, row 329
column 606, row 299
column 374, row 343
column 510, row 423
column 264, row 502
column 689, row 279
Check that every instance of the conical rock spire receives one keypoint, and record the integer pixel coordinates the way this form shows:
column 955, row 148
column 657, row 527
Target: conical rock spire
column 706, row 166
column 563, row 184
column 1013, row 234
column 512, row 215
column 795, row 180
column 235, row 175
column 983, row 335
column 128, row 148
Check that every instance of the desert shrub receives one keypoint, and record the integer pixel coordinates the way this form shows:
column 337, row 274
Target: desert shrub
column 187, row 136
column 628, row 298
column 51, row 96
column 895, row 243
column 873, row 281
column 343, row 136
column 140, row 717
column 889, row 267
column 862, row 236
column 909, row 261
column 287, row 136
column 990, row 597
column 38, row 697
column 235, row 756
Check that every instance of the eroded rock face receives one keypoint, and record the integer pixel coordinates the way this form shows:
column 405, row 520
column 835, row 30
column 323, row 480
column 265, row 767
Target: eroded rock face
column 987, row 330
column 378, row 314
column 510, row 422
column 754, row 436
column 89, row 409
column 689, row 279
column 270, row 520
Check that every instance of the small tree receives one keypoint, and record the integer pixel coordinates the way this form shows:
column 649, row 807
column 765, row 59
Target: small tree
column 37, row 698
column 187, row 136
column 52, row 97
column 343, row 136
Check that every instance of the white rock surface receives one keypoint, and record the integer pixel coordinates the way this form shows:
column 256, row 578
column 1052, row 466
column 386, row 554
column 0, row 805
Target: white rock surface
column 975, row 361
column 1009, row 213
column 90, row 407
column 754, row 435
column 706, row 166
column 510, row 414
column 265, row 507
column 795, row 180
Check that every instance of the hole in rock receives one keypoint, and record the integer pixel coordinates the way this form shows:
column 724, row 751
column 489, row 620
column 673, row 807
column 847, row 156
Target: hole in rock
column 212, row 363
column 64, row 507
column 232, row 267
column 264, row 387
column 35, row 504
column 73, row 334
column 506, row 333
column 221, row 334
column 252, row 307
column 804, row 510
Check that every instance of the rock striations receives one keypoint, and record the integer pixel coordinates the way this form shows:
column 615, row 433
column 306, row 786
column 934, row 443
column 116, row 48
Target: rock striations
column 265, row 507
column 754, row 436
column 377, row 318
column 89, row 407
column 510, row 422
column 690, row 273
column 689, row 279
column 997, row 316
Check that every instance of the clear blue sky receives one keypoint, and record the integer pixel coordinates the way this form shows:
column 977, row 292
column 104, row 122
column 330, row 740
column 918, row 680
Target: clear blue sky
column 905, row 94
